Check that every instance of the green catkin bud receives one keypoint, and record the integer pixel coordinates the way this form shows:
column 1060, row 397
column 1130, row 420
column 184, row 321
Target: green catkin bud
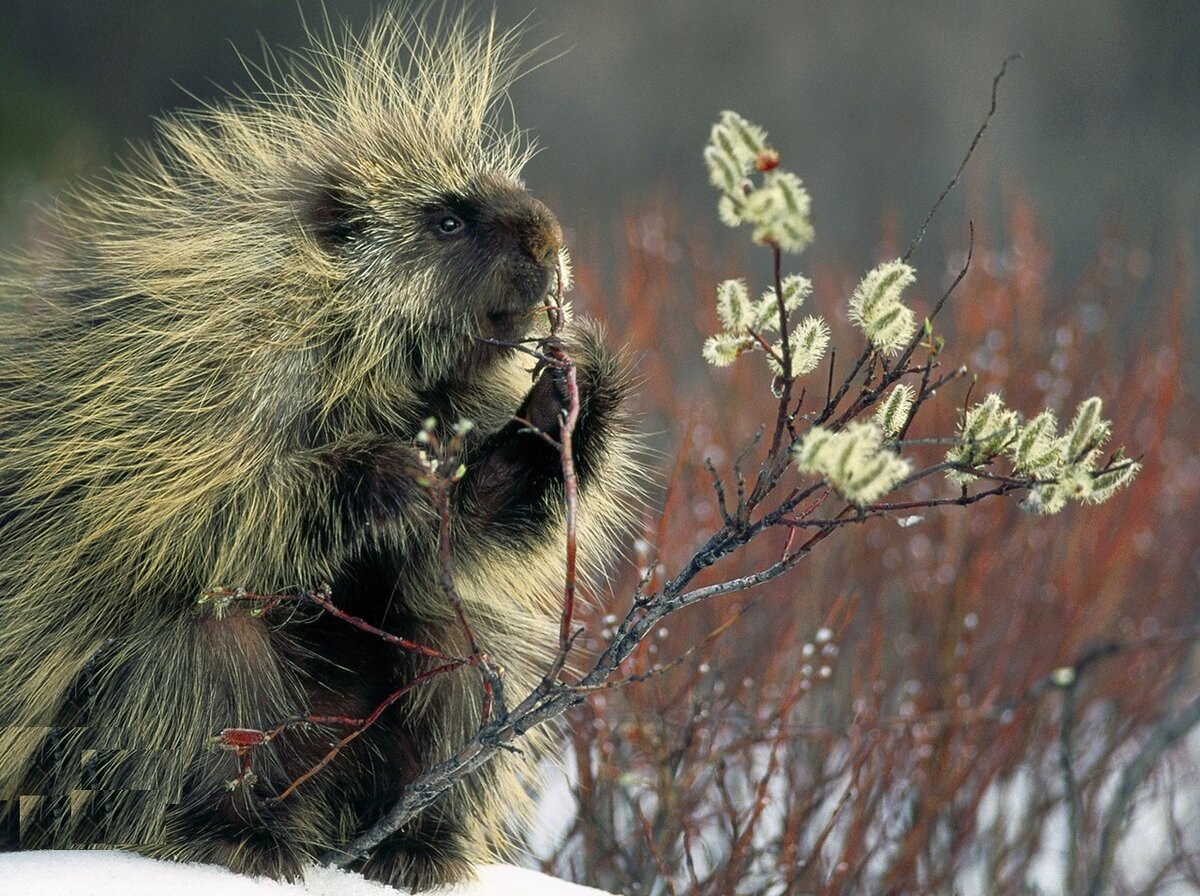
column 729, row 210
column 876, row 308
column 794, row 235
column 809, row 448
column 721, row 139
column 808, row 343
column 853, row 461
column 723, row 349
column 734, row 308
column 894, row 329
column 1106, row 483
column 1076, row 483
column 780, row 212
column 766, row 313
column 796, row 289
column 724, row 173
column 1037, row 450
column 1045, row 499
column 892, row 414
column 1087, row 431
column 790, row 189
column 762, row 206
column 748, row 139
column 985, row 431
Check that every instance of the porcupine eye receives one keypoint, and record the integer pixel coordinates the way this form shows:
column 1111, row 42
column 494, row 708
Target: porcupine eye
column 449, row 224
column 450, row 217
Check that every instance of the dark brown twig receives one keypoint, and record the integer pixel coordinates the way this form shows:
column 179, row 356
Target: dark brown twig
column 966, row 158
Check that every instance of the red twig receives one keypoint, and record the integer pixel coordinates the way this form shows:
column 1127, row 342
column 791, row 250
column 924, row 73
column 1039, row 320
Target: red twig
column 243, row 741
column 571, row 499
column 322, row 599
column 569, row 418
column 365, row 724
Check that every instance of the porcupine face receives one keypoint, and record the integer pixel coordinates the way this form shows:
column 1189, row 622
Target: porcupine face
column 496, row 249
column 450, row 268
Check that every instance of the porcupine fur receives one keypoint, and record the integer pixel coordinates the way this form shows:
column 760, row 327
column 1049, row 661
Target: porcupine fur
column 214, row 381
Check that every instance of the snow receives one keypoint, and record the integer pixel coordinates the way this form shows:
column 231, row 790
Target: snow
column 114, row 873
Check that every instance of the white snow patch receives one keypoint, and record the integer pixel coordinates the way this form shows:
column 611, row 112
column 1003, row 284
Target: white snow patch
column 556, row 805
column 115, row 873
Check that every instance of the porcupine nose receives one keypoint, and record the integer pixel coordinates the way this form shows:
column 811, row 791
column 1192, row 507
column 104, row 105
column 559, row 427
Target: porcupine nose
column 542, row 236
column 534, row 240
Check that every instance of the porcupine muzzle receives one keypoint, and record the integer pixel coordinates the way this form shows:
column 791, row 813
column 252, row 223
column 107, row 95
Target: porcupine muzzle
column 529, row 238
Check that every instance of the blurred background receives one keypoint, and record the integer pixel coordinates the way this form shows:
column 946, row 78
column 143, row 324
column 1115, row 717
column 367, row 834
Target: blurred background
column 873, row 104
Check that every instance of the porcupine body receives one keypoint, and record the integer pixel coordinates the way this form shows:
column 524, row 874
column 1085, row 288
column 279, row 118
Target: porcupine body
column 214, row 382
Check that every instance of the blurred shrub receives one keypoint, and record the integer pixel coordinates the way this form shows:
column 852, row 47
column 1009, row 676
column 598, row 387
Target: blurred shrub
column 950, row 706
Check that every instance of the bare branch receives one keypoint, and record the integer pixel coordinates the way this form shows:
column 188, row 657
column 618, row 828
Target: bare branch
column 966, row 158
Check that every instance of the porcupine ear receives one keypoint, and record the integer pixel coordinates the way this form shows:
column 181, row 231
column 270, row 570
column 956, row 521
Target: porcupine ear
column 332, row 216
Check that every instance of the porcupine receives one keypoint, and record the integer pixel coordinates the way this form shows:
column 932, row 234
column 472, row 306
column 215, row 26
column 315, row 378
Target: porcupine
column 215, row 382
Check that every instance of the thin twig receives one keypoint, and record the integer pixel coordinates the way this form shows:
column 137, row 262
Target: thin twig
column 493, row 685
column 966, row 158
column 719, row 488
column 571, row 500
column 941, row 302
column 1072, row 799
column 365, row 724
column 322, row 598
column 663, row 669
column 1169, row 730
